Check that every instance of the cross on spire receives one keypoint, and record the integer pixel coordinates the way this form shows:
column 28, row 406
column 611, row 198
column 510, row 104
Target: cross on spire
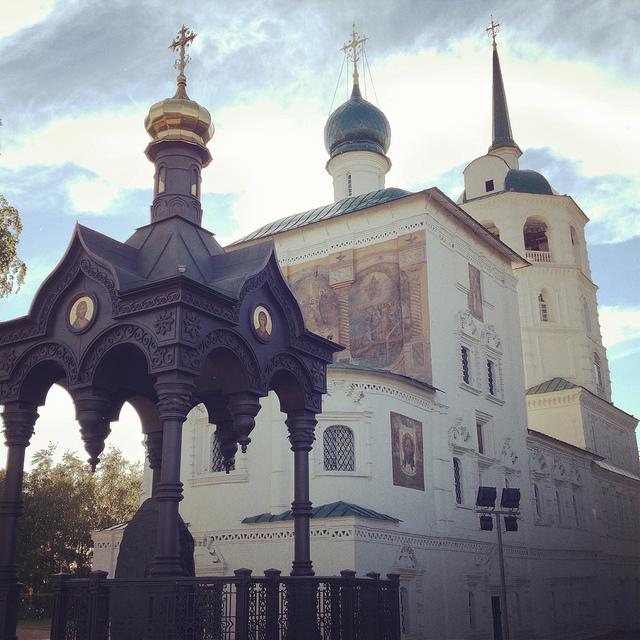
column 180, row 43
column 492, row 30
column 351, row 49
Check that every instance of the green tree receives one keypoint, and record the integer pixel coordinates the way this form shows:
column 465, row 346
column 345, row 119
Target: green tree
column 12, row 269
column 63, row 503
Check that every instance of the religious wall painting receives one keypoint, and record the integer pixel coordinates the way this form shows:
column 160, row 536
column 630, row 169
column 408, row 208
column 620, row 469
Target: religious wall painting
column 406, row 452
column 376, row 325
column 318, row 301
column 82, row 312
column 262, row 322
column 475, row 292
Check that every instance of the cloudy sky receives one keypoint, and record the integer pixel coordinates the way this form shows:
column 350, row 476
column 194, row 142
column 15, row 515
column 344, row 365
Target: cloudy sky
column 77, row 78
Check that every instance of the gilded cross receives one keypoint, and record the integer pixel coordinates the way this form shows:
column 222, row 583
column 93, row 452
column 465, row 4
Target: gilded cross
column 351, row 49
column 180, row 43
column 492, row 30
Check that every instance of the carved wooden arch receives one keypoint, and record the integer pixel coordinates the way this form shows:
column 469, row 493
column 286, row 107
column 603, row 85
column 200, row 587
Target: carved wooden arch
column 157, row 357
column 285, row 362
column 50, row 351
column 233, row 342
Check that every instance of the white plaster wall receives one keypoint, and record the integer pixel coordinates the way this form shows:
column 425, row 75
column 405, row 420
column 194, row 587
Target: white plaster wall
column 367, row 170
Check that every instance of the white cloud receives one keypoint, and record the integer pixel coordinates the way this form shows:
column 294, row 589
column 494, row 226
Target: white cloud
column 92, row 195
column 620, row 330
column 23, row 14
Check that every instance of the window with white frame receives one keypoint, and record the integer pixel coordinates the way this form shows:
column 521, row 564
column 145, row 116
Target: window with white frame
column 471, row 607
column 217, row 458
column 491, row 378
column 597, row 368
column 480, row 434
column 338, row 449
column 465, row 361
column 537, row 500
column 457, row 480
column 543, row 306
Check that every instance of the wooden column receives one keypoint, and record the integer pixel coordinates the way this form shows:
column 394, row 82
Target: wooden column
column 19, row 418
column 174, row 402
column 301, row 425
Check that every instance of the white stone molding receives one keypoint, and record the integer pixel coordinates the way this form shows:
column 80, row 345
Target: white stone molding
column 507, row 454
column 467, row 325
column 490, row 338
column 459, row 436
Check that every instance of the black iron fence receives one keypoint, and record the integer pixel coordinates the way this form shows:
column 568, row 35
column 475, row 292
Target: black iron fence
column 240, row 607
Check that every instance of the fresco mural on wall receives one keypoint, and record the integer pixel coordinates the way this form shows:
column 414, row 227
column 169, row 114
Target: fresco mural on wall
column 318, row 300
column 406, row 452
column 475, row 293
column 373, row 300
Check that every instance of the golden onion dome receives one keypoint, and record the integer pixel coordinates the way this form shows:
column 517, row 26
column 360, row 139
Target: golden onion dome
column 179, row 118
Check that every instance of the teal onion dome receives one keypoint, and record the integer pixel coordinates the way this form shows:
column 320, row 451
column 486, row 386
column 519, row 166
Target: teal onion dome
column 527, row 181
column 357, row 125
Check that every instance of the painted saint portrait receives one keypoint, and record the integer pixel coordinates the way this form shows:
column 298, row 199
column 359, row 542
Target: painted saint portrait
column 406, row 452
column 262, row 323
column 318, row 301
column 475, row 293
column 82, row 313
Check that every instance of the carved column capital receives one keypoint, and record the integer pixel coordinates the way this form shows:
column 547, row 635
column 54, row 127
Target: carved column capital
column 154, row 448
column 301, row 425
column 19, row 419
column 227, row 436
column 244, row 407
column 175, row 398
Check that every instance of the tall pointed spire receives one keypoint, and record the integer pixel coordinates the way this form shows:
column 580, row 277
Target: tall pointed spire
column 501, row 126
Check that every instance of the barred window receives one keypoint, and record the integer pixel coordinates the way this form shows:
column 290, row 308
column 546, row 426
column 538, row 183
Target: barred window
column 464, row 355
column 217, row 459
column 457, row 480
column 491, row 377
column 543, row 307
column 349, row 185
column 339, row 449
column 536, row 497
column 405, row 620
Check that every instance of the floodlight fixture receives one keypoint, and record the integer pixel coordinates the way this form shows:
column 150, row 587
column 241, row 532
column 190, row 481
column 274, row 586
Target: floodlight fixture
column 486, row 522
column 486, row 497
column 510, row 523
column 510, row 498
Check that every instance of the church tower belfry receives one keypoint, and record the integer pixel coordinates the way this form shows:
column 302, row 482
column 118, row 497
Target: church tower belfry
column 357, row 136
column 558, row 307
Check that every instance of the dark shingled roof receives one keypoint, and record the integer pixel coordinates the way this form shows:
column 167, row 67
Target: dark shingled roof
column 333, row 210
column 555, row 384
column 334, row 510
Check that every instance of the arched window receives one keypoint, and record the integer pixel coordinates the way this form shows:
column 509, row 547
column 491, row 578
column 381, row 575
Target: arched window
column 339, row 449
column 536, row 241
column 543, row 306
column 217, row 459
column 575, row 243
column 597, row 368
column 536, row 499
column 587, row 314
column 195, row 182
column 162, row 179
column 457, row 480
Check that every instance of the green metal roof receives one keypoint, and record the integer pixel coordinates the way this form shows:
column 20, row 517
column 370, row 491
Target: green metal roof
column 555, row 384
column 527, row 181
column 338, row 509
column 333, row 210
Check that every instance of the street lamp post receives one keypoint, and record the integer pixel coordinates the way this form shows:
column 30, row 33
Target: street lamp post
column 486, row 507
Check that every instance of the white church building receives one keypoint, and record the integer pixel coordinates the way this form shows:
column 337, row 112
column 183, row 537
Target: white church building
column 473, row 356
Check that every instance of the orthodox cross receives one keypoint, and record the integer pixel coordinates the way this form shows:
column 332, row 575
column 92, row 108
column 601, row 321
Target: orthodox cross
column 351, row 49
column 180, row 43
column 492, row 30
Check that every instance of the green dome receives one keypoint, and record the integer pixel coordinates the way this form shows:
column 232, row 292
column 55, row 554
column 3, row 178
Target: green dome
column 527, row 181
column 357, row 125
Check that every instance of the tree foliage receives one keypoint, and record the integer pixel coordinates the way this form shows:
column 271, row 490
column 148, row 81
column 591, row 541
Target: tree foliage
column 12, row 269
column 63, row 503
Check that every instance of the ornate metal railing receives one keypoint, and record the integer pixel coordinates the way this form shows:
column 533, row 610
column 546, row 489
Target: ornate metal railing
column 537, row 256
column 240, row 607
